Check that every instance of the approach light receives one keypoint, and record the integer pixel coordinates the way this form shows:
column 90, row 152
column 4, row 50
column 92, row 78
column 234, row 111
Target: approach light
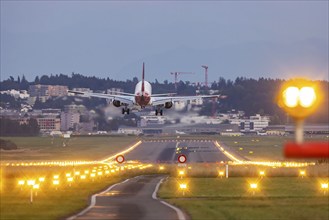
column 261, row 173
column 56, row 182
column 36, row 186
column 302, row 173
column 299, row 98
column 30, row 182
column 56, row 177
column 253, row 185
column 70, row 179
column 181, row 172
column 324, row 186
column 221, row 173
column 83, row 177
column 41, row 179
column 68, row 174
column 21, row 182
column 183, row 186
column 161, row 168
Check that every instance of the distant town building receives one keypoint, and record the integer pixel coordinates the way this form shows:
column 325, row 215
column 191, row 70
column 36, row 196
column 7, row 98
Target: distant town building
column 51, row 111
column 44, row 92
column 17, row 94
column 47, row 90
column 69, row 120
column 129, row 130
column 84, row 127
column 49, row 124
column 75, row 109
column 149, row 120
column 252, row 124
column 82, row 90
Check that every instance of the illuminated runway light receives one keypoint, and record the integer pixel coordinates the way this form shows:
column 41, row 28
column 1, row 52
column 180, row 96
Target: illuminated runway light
column 77, row 173
column 302, row 173
column 253, row 185
column 92, row 174
column 41, row 179
column 262, row 173
column 21, row 182
column 324, row 186
column 30, row 182
column 107, row 171
column 86, row 171
column 36, row 186
column 83, row 177
column 161, row 168
column 70, row 179
column 68, row 174
column 221, row 174
column 56, row 176
column 183, row 186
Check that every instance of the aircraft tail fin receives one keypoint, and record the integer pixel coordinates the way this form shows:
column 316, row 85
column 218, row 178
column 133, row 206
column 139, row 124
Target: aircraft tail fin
column 143, row 77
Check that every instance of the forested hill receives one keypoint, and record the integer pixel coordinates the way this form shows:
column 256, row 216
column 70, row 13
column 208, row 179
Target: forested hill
column 250, row 95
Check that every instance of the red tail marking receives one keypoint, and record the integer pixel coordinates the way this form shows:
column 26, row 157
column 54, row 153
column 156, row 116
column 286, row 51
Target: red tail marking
column 143, row 87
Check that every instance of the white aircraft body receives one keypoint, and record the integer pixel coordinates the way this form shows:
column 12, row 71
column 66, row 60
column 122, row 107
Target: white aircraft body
column 142, row 98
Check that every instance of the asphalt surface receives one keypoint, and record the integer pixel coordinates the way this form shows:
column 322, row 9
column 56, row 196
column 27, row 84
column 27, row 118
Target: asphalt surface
column 133, row 199
column 130, row 200
column 196, row 151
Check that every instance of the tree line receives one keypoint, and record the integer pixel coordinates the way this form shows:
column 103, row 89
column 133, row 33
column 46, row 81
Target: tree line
column 10, row 127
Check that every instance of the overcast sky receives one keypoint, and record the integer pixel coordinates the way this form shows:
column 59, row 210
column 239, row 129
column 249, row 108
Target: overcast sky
column 277, row 39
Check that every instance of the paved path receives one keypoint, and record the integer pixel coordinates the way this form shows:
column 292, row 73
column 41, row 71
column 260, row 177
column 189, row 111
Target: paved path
column 133, row 200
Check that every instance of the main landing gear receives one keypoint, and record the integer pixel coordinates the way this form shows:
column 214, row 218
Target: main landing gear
column 158, row 111
column 125, row 110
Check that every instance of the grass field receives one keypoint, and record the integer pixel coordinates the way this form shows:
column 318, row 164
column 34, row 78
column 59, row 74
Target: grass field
column 77, row 148
column 276, row 198
column 52, row 203
column 262, row 148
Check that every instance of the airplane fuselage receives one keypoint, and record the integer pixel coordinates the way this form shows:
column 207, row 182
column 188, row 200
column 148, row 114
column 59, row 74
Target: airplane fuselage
column 143, row 94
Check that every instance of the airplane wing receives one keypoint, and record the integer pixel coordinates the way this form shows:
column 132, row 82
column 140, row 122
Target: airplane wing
column 163, row 100
column 126, row 99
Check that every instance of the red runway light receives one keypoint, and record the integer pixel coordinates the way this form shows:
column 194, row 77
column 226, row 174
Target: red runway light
column 307, row 150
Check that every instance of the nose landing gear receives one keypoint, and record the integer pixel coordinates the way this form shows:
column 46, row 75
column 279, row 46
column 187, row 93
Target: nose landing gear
column 125, row 110
column 159, row 111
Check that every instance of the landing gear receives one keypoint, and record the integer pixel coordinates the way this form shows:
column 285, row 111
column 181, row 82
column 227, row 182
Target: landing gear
column 158, row 111
column 125, row 110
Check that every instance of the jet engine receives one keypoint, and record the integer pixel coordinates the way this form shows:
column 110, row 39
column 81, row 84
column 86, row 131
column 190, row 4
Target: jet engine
column 116, row 103
column 168, row 104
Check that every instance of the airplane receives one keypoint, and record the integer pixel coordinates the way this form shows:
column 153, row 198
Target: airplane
column 179, row 132
column 261, row 133
column 142, row 98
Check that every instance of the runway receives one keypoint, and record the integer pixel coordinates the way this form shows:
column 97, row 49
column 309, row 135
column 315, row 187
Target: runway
column 131, row 199
column 166, row 151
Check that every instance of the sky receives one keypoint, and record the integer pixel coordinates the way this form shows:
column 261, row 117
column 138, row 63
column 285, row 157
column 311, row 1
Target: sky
column 272, row 39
